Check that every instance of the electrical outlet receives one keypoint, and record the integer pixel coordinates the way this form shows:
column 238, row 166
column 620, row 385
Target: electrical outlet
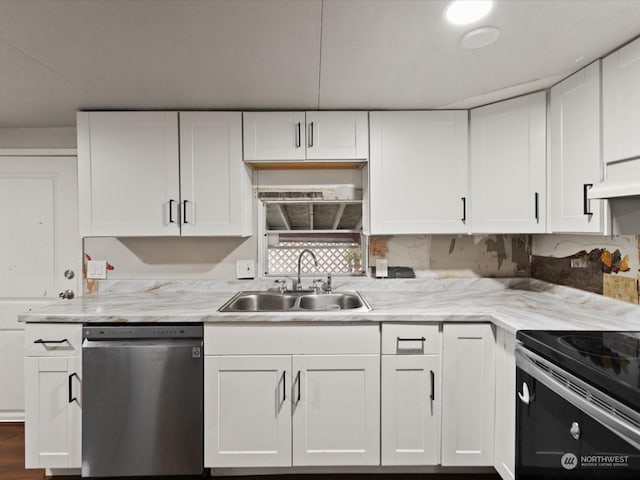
column 96, row 269
column 382, row 268
column 245, row 269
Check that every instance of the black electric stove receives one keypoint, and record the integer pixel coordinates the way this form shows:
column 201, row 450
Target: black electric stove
column 609, row 361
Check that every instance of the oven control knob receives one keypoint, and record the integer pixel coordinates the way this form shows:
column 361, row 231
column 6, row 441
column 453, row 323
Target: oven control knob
column 525, row 396
column 575, row 430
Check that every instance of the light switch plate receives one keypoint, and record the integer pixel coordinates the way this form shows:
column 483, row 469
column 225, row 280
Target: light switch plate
column 97, row 269
column 382, row 268
column 245, row 269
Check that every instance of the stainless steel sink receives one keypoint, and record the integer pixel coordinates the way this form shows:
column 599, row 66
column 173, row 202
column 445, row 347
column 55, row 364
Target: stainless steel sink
column 295, row 301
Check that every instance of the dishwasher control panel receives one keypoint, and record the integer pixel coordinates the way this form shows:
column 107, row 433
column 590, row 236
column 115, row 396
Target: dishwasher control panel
column 115, row 332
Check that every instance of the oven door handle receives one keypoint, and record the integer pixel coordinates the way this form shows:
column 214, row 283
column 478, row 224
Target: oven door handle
column 540, row 369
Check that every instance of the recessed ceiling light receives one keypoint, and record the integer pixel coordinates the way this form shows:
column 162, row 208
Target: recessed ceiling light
column 464, row 12
column 480, row 37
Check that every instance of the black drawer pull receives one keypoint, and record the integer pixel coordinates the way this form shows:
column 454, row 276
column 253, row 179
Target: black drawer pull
column 64, row 340
column 464, row 210
column 421, row 339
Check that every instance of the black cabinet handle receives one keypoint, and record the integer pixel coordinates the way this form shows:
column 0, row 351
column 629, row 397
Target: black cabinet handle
column 184, row 211
column 284, row 385
column 537, row 199
column 298, row 381
column 171, row 202
column 298, row 136
column 421, row 339
column 585, row 200
column 311, row 134
column 433, row 385
column 64, row 340
column 71, row 397
column 464, row 209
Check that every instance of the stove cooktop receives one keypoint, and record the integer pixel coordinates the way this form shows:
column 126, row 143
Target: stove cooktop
column 609, row 361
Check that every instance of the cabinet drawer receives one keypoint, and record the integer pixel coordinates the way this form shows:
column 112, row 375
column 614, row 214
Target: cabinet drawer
column 273, row 339
column 405, row 339
column 53, row 339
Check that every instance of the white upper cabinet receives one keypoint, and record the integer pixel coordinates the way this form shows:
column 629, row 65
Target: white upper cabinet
column 337, row 135
column 142, row 175
column 128, row 173
column 300, row 136
column 508, row 154
column 621, row 103
column 418, row 172
column 575, row 162
column 215, row 185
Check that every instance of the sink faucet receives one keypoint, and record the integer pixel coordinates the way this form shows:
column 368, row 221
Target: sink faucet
column 306, row 250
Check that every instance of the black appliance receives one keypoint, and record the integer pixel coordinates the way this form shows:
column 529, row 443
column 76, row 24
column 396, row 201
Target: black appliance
column 578, row 405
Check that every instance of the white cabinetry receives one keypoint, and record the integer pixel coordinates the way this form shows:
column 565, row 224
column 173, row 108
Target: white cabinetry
column 468, row 395
column 418, row 172
column 505, row 428
column 575, row 162
column 300, row 136
column 411, row 398
column 621, row 103
column 508, row 172
column 292, row 395
column 132, row 168
column 53, row 379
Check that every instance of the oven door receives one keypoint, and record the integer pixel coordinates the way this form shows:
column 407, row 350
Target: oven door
column 565, row 430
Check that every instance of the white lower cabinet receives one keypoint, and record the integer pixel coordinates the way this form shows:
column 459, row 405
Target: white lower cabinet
column 505, row 427
column 468, row 394
column 336, row 410
column 306, row 398
column 53, row 403
column 410, row 410
column 248, row 412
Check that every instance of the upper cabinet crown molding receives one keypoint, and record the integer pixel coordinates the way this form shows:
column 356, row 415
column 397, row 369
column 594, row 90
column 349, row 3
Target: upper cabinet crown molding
column 314, row 136
column 575, row 162
column 508, row 166
column 146, row 174
column 621, row 103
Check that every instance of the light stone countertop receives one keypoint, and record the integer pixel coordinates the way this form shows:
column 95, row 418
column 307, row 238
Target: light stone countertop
column 513, row 304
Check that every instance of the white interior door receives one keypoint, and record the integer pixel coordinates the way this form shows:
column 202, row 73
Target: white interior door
column 39, row 242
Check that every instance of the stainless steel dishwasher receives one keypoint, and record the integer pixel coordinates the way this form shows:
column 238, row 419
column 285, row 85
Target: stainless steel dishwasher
column 142, row 395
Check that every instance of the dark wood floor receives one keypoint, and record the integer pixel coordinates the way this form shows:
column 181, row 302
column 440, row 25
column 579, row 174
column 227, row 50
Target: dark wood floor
column 12, row 465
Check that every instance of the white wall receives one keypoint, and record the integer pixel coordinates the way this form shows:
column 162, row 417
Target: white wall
column 60, row 137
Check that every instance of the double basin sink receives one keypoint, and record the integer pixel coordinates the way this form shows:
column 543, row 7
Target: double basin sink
column 295, row 301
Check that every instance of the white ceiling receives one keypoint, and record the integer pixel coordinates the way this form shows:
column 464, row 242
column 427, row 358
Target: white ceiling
column 58, row 56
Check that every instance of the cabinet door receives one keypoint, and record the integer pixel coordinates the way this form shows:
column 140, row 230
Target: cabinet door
column 215, row 184
column 128, row 173
column 508, row 172
column 247, row 411
column 274, row 136
column 337, row 135
column 505, row 429
column 418, row 172
column 53, row 416
column 621, row 103
column 410, row 410
column 575, row 161
column 468, row 395
column 336, row 410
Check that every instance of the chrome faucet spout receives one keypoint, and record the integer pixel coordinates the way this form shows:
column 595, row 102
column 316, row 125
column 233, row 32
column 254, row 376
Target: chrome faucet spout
column 315, row 261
